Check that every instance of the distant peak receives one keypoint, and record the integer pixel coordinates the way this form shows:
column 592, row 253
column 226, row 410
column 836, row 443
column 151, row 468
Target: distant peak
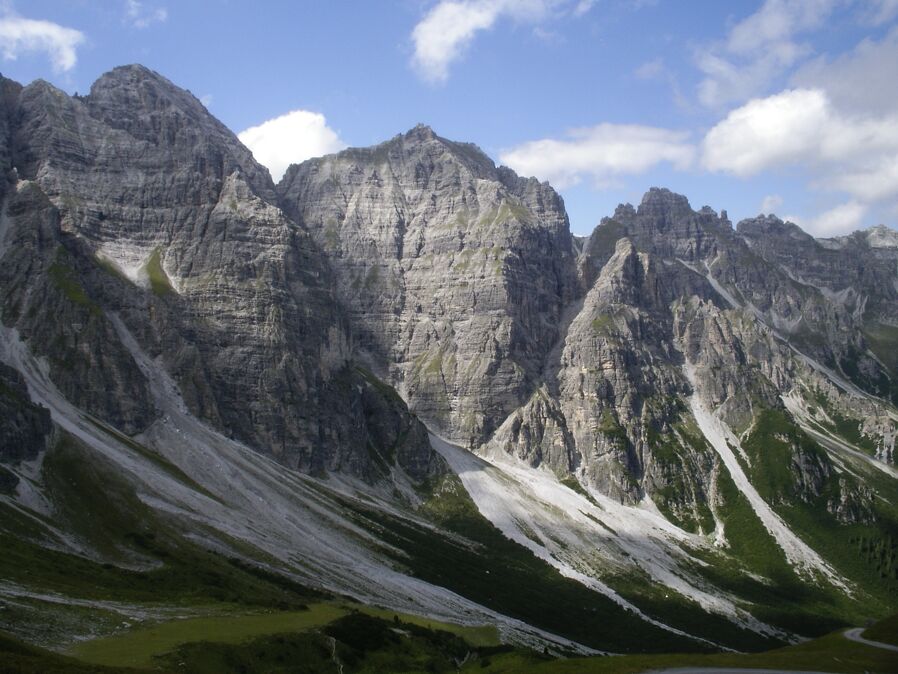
column 661, row 203
column 131, row 78
column 663, row 196
column 624, row 212
column 770, row 225
column 132, row 71
column 421, row 132
column 881, row 236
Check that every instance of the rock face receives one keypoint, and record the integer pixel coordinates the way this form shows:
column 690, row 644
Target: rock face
column 287, row 315
column 24, row 427
column 462, row 283
column 455, row 272
column 135, row 204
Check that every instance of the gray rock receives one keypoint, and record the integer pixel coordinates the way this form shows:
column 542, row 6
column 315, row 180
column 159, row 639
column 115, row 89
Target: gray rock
column 134, row 200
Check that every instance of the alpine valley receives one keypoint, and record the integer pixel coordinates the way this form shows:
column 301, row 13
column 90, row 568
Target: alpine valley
column 389, row 414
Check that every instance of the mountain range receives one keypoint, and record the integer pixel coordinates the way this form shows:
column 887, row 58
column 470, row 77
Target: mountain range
column 396, row 377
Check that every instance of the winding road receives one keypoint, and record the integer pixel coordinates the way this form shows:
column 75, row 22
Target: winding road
column 853, row 634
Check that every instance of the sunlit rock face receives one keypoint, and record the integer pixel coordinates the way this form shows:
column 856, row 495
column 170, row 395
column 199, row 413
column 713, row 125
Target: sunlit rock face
column 455, row 272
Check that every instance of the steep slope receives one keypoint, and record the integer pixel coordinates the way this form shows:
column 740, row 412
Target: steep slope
column 675, row 366
column 682, row 433
column 455, row 272
column 183, row 331
column 135, row 200
column 685, row 383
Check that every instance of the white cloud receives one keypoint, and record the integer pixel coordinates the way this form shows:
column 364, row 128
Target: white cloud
column 849, row 153
column 861, row 80
column 139, row 16
column 842, row 219
column 289, row 139
column 758, row 49
column 767, row 132
column 771, row 203
column 800, row 126
column 19, row 35
column 602, row 153
column 775, row 22
column 873, row 180
column 651, row 69
column 445, row 32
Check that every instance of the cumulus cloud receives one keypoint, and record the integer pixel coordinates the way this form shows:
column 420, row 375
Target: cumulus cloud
column 601, row 153
column 850, row 153
column 289, row 139
column 140, row 16
column 844, row 218
column 758, row 49
column 800, row 126
column 767, row 132
column 446, row 31
column 861, row 80
column 19, row 36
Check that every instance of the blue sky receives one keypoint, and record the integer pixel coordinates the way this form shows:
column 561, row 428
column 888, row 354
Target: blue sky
column 785, row 106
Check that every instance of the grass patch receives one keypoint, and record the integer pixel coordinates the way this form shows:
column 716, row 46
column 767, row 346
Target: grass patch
column 476, row 635
column 19, row 658
column 160, row 284
column 832, row 653
column 885, row 631
column 251, row 639
column 602, row 324
column 138, row 647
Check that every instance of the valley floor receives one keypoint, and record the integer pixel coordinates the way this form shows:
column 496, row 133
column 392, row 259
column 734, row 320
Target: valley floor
column 334, row 637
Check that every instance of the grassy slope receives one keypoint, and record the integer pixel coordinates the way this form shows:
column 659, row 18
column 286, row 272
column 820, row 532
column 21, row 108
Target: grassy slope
column 885, row 631
column 864, row 552
column 502, row 575
column 137, row 648
column 364, row 644
column 95, row 506
column 141, row 646
column 505, row 576
column 832, row 653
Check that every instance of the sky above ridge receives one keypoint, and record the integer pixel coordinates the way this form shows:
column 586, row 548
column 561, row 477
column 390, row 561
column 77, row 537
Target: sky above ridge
column 773, row 106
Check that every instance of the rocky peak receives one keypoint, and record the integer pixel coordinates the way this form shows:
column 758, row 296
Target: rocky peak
column 770, row 226
column 134, row 91
column 664, row 206
column 420, row 132
column 455, row 271
column 148, row 107
column 624, row 213
column 664, row 224
column 881, row 236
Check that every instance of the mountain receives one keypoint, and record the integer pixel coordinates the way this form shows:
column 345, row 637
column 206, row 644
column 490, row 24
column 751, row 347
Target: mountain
column 396, row 377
